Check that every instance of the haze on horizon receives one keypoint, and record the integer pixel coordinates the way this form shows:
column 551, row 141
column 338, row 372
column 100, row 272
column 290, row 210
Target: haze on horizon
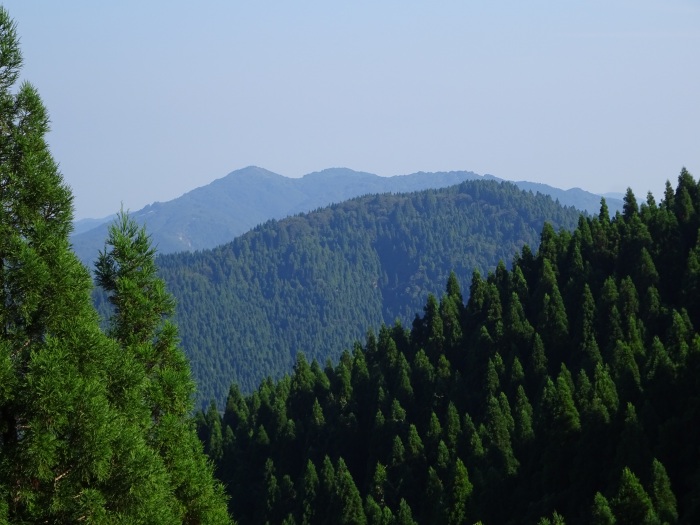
column 149, row 100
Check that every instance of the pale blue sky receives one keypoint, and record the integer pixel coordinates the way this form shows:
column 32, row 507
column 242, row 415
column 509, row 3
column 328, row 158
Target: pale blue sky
column 150, row 99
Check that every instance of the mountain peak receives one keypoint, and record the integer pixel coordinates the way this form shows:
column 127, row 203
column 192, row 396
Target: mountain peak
column 329, row 173
column 251, row 171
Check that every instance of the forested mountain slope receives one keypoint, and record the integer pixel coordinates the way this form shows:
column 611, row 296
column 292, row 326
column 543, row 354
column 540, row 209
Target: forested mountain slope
column 564, row 391
column 316, row 282
column 228, row 207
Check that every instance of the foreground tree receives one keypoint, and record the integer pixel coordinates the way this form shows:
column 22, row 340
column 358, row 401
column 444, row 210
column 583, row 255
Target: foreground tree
column 75, row 410
column 126, row 270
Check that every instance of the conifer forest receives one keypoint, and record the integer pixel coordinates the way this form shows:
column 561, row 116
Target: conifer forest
column 555, row 379
column 563, row 390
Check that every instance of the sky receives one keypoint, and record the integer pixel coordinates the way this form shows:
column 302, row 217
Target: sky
column 149, row 100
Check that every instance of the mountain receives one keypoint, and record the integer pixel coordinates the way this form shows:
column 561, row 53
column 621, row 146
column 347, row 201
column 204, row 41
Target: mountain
column 576, row 197
column 218, row 212
column 85, row 225
column 613, row 195
column 565, row 390
column 315, row 282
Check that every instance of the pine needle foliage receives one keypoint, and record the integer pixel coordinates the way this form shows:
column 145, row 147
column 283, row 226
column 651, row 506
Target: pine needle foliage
column 566, row 391
column 78, row 438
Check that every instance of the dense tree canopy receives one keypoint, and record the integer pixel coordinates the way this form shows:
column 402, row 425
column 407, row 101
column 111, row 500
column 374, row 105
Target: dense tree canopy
column 564, row 390
column 316, row 282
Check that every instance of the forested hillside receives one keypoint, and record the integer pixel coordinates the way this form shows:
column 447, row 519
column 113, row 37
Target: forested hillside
column 564, row 390
column 316, row 282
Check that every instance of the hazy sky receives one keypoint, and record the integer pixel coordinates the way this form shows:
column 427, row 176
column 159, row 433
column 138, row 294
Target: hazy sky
column 150, row 99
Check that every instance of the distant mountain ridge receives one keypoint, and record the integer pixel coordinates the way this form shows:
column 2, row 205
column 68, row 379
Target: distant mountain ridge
column 217, row 213
column 85, row 225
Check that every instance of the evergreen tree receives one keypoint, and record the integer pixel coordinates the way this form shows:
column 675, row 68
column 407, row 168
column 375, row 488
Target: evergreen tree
column 557, row 519
column 325, row 506
column 435, row 329
column 373, row 512
column 632, row 505
column 302, row 387
column 460, row 491
column 434, row 503
column 75, row 442
column 537, row 364
column 379, row 484
column 500, row 447
column 309, row 489
column 348, row 503
column 453, row 289
column 630, row 207
column 601, row 514
column 605, row 398
column 632, row 449
column 588, row 345
column 452, row 426
column 271, row 491
column 414, row 445
column 450, row 315
column 214, row 445
column 523, row 417
column 661, row 494
column 404, row 516
column 126, row 270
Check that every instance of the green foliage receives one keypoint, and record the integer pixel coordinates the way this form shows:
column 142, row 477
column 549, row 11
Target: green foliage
column 601, row 513
column 555, row 398
column 557, row 519
column 661, row 494
column 126, row 270
column 404, row 516
column 348, row 505
column 632, row 505
column 461, row 489
column 315, row 283
column 90, row 425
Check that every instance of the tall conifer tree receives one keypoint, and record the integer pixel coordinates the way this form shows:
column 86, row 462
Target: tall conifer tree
column 74, row 433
